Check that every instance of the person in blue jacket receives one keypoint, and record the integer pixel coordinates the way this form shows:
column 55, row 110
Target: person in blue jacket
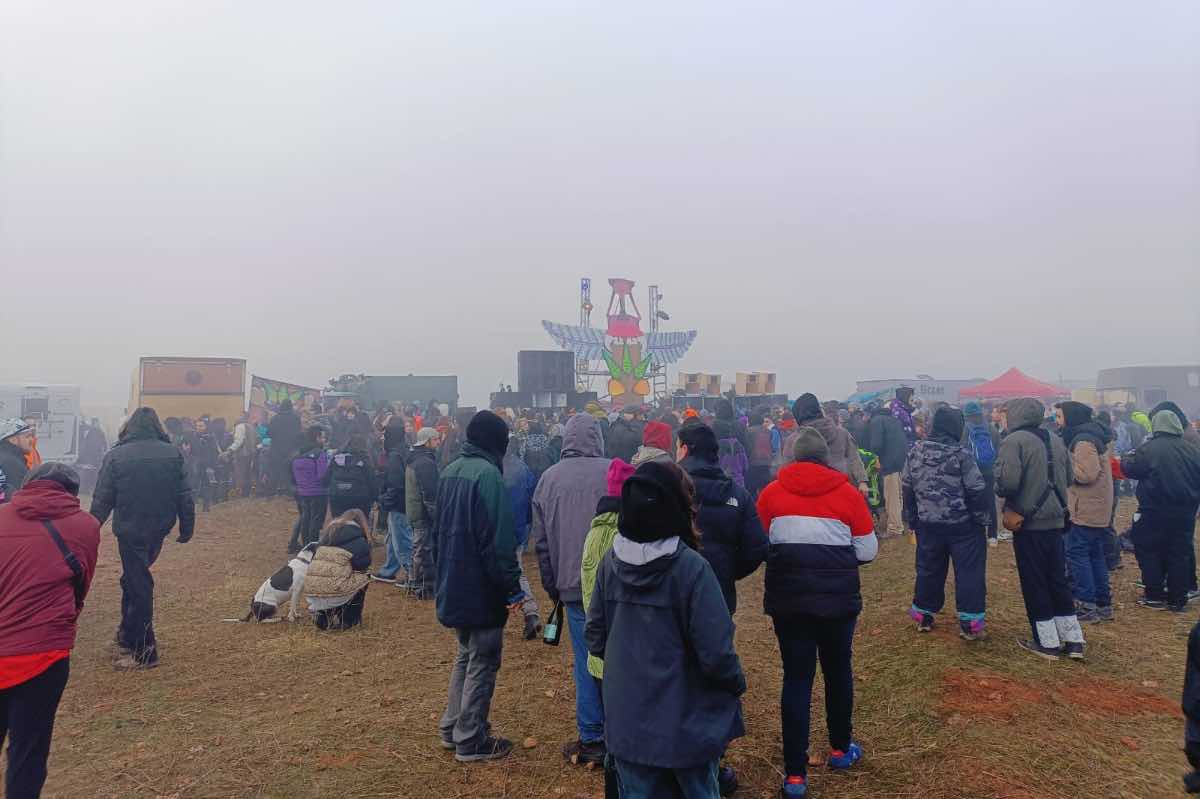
column 520, row 481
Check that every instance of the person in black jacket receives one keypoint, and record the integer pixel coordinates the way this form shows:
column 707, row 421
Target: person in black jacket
column 15, row 440
column 624, row 437
column 1191, row 711
column 734, row 542
column 203, row 463
column 1167, row 468
column 352, row 478
column 143, row 485
column 285, row 434
column 392, row 503
column 887, row 439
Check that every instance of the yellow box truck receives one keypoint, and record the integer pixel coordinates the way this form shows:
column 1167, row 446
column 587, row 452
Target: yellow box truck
column 190, row 387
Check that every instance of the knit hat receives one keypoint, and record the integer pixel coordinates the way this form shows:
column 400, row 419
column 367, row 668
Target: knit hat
column 1168, row 423
column 618, row 472
column 653, row 505
column 59, row 473
column 700, row 440
column 811, row 447
column 488, row 432
column 657, row 435
column 972, row 408
column 1075, row 413
column 806, row 408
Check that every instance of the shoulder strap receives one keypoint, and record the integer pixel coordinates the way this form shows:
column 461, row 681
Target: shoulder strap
column 71, row 561
column 1051, row 485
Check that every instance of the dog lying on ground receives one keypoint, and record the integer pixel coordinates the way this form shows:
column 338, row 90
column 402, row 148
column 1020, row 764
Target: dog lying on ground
column 285, row 585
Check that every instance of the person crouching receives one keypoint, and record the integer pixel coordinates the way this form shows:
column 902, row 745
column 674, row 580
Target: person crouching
column 658, row 619
column 336, row 584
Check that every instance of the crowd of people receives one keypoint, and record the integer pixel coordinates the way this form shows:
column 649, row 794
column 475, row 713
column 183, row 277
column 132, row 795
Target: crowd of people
column 643, row 522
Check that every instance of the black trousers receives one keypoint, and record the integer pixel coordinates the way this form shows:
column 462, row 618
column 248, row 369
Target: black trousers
column 310, row 521
column 136, row 632
column 344, row 617
column 1042, row 570
column 1165, row 552
column 27, row 721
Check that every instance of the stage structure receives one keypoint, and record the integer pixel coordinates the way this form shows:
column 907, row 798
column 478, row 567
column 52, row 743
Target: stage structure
column 631, row 362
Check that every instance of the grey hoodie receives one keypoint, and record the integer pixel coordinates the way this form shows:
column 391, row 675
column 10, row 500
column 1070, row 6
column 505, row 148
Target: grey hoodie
column 564, row 504
column 1021, row 468
column 843, row 449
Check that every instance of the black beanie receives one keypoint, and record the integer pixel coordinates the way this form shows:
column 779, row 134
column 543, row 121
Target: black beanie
column 1075, row 413
column 700, row 439
column 489, row 432
column 653, row 505
column 806, row 408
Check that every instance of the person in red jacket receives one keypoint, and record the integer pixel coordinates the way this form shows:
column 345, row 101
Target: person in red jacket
column 820, row 531
column 47, row 558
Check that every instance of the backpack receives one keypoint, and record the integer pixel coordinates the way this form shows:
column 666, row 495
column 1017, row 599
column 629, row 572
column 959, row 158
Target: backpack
column 733, row 460
column 349, row 476
column 982, row 446
column 761, row 448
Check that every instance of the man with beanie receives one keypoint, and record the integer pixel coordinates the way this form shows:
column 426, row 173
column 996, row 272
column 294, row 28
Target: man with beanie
column 843, row 451
column 1033, row 472
column 1167, row 468
column 563, row 506
column 820, row 531
column 16, row 438
column 656, row 444
column 1090, row 508
column 478, row 583
column 983, row 442
column 672, row 678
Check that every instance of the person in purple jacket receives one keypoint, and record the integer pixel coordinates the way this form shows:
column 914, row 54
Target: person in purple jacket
column 310, row 476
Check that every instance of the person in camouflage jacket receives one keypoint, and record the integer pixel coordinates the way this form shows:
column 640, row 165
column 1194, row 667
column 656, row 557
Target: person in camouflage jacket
column 945, row 502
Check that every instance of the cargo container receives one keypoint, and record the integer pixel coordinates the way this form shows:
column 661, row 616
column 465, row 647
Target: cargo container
column 190, row 387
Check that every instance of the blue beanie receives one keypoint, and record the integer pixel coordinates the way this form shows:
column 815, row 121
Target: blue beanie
column 972, row 408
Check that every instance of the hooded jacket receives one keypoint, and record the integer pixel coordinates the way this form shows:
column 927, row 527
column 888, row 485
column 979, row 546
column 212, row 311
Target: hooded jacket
column 13, row 470
column 1090, row 496
column 1167, row 468
column 1189, row 433
column 1021, row 477
column 143, row 484
column 310, row 472
column 563, row 506
column 843, row 451
column 420, row 487
column 820, row 530
column 474, row 544
column 658, row 620
column 37, row 593
column 885, row 437
column 733, row 540
column 941, row 482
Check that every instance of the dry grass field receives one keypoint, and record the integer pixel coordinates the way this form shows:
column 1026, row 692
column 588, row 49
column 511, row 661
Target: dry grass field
column 279, row 710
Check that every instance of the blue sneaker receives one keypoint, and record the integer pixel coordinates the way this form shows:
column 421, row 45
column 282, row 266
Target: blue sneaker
column 844, row 760
column 793, row 788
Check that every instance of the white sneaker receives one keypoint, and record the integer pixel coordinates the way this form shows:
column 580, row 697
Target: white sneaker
column 993, row 543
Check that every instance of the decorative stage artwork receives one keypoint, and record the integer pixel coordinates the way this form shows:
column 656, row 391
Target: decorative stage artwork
column 266, row 394
column 630, row 355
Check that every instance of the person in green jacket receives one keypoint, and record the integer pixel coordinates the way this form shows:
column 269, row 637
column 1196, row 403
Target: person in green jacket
column 599, row 540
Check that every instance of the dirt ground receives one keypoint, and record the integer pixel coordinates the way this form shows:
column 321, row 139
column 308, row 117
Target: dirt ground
column 279, row 710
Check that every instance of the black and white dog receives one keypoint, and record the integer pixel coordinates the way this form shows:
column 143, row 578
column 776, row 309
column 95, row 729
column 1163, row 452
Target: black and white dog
column 285, row 585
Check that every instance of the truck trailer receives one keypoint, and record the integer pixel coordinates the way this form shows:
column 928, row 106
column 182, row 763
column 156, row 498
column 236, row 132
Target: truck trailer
column 190, row 387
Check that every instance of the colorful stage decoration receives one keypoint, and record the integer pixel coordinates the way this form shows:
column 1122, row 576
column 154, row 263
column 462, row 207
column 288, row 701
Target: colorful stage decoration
column 266, row 394
column 632, row 357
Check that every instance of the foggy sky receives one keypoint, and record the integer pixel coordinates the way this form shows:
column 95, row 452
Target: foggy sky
column 829, row 190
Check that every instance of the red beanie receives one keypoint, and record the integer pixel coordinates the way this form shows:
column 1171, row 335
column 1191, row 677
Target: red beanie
column 657, row 435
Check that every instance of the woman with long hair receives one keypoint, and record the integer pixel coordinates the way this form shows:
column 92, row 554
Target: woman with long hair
column 337, row 580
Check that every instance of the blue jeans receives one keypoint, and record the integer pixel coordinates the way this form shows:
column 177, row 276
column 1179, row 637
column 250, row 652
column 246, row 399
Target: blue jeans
column 589, row 713
column 399, row 546
column 1089, row 570
column 649, row 782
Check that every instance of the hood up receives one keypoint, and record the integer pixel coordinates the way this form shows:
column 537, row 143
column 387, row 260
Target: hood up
column 810, row 479
column 582, row 438
column 44, row 499
column 1025, row 412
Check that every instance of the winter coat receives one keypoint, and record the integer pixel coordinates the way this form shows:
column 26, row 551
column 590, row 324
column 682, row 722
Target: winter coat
column 624, row 438
column 732, row 538
column 284, row 432
column 1021, row 477
column 420, row 487
column 395, row 481
column 520, row 482
column 761, row 451
column 1167, row 469
column 672, row 677
column 820, row 530
column 352, row 475
column 843, row 450
column 474, row 544
column 1191, row 677
column 599, row 542
column 13, row 470
column 563, row 506
column 310, row 473
column 1090, row 495
column 942, row 485
column 37, row 587
column 339, row 569
column 885, row 437
column 143, row 484
column 539, row 453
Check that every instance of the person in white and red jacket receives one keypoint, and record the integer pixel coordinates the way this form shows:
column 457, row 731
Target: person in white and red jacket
column 42, row 589
column 820, row 530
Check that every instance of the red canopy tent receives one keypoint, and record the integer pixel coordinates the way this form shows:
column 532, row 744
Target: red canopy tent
column 1014, row 383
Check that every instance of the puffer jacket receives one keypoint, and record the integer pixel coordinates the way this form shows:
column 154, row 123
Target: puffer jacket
column 1167, row 468
column 1090, row 496
column 332, row 574
column 599, row 542
column 843, row 451
column 885, row 437
column 942, row 485
column 144, row 486
column 563, row 506
column 1021, row 477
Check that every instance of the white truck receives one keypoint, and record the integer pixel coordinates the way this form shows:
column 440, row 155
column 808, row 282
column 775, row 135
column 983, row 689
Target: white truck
column 56, row 409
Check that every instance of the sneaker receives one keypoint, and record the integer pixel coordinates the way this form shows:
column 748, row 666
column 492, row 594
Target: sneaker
column 1152, row 604
column 727, row 781
column 447, row 744
column 1039, row 650
column 1004, row 535
column 793, row 788
column 579, row 753
column 1105, row 613
column 1087, row 613
column 1073, row 650
column 843, row 760
column 1140, row 584
column 1193, row 595
column 993, row 542
column 533, row 627
column 127, row 662
column 1177, row 608
column 379, row 578
column 924, row 620
column 489, row 749
column 972, row 630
